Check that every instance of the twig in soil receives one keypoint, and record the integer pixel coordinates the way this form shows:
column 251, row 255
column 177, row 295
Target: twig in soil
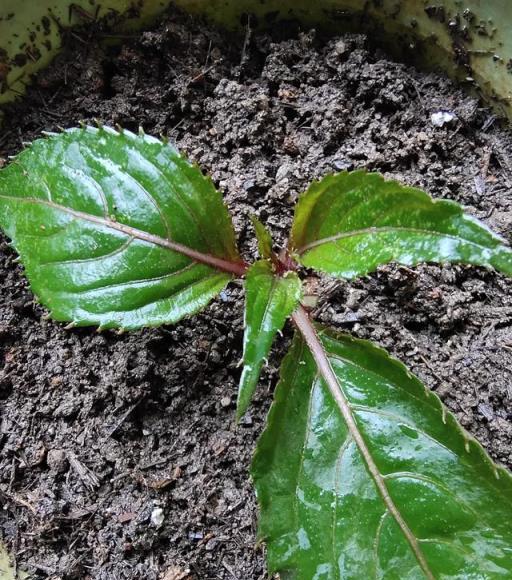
column 481, row 177
column 168, row 457
column 158, row 463
column 46, row 569
column 490, row 328
column 206, row 69
column 13, row 473
column 87, row 477
column 203, row 73
column 19, row 500
column 285, row 104
column 208, row 54
column 429, row 366
column 245, row 48
column 74, row 564
column 417, row 91
column 484, row 164
column 507, row 346
column 120, row 476
column 178, row 124
column 229, row 569
column 489, row 122
column 58, row 91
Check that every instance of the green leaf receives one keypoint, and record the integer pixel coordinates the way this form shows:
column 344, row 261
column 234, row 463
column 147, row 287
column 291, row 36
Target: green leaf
column 322, row 515
column 350, row 223
column 101, row 220
column 270, row 299
column 264, row 238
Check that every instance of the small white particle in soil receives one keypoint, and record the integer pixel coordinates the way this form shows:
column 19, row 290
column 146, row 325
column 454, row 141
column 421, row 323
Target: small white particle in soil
column 157, row 517
column 442, row 118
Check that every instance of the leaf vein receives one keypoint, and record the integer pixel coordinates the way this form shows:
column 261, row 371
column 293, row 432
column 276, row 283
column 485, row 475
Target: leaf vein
column 130, row 283
column 376, row 542
column 399, row 420
column 119, row 250
column 183, row 202
column 94, row 183
column 428, row 399
column 337, row 484
column 382, row 230
column 301, row 464
column 237, row 268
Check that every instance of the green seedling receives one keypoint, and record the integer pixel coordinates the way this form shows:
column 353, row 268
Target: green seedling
column 360, row 472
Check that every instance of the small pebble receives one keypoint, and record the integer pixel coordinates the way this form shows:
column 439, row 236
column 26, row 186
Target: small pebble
column 157, row 517
column 57, row 461
column 442, row 118
column 340, row 47
column 211, row 544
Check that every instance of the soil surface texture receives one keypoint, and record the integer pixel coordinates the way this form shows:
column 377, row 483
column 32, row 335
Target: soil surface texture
column 99, row 432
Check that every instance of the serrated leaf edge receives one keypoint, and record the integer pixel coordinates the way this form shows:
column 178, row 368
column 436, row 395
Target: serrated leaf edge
column 325, row 182
column 275, row 279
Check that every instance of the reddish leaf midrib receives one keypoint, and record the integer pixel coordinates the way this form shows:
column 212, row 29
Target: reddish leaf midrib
column 237, row 268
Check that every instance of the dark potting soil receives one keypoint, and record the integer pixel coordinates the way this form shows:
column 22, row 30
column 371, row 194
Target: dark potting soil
column 100, row 430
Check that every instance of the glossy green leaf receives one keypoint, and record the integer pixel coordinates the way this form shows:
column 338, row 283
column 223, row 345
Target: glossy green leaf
column 322, row 515
column 264, row 238
column 270, row 300
column 350, row 223
column 96, row 216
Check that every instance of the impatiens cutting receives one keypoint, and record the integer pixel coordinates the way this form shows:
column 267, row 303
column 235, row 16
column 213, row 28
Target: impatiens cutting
column 361, row 472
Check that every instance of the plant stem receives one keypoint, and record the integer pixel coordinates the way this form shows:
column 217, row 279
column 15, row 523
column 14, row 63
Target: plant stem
column 305, row 326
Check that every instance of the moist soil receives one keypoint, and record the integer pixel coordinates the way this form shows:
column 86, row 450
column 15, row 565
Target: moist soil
column 99, row 430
